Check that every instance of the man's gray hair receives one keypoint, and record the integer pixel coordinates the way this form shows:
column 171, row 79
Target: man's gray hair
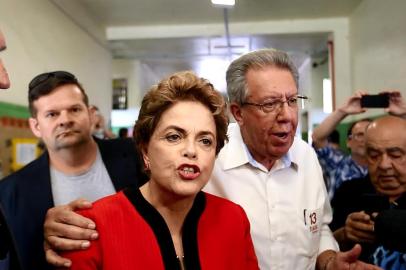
column 235, row 76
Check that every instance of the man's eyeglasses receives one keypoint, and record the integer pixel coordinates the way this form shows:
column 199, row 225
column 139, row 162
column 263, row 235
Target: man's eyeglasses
column 46, row 76
column 356, row 136
column 272, row 105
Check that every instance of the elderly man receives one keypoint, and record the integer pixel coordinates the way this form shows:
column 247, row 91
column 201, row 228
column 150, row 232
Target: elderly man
column 384, row 187
column 274, row 176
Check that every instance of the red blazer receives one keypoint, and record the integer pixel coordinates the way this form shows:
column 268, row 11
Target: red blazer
column 132, row 235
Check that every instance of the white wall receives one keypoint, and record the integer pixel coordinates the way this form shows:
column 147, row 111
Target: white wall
column 315, row 105
column 130, row 70
column 41, row 38
column 378, row 46
column 318, row 73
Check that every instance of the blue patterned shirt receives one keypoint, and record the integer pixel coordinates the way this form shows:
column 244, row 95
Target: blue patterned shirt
column 389, row 259
column 338, row 168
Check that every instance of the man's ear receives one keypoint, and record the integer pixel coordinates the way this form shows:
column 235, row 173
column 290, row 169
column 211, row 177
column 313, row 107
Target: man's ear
column 235, row 110
column 92, row 114
column 34, row 127
column 349, row 143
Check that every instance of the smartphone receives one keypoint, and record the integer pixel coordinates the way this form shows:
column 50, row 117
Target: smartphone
column 375, row 101
column 374, row 203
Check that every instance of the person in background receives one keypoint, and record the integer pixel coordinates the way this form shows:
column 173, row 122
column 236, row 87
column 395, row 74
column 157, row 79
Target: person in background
column 383, row 188
column 99, row 129
column 272, row 174
column 74, row 166
column 123, row 133
column 168, row 223
column 341, row 167
column 333, row 141
column 8, row 255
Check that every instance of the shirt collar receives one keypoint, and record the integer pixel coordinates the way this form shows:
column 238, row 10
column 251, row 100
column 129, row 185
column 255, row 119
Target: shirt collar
column 236, row 153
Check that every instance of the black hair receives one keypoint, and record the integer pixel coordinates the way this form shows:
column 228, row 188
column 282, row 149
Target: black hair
column 45, row 83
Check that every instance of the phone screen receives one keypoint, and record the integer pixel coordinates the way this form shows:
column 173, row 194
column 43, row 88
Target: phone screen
column 375, row 101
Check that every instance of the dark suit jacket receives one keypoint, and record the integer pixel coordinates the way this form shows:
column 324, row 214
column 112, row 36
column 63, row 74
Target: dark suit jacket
column 390, row 229
column 26, row 195
column 350, row 198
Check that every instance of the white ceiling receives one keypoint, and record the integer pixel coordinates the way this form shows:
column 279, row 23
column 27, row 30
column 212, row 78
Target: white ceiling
column 157, row 12
column 176, row 13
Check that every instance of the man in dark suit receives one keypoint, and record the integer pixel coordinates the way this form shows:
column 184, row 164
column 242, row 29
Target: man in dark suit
column 74, row 165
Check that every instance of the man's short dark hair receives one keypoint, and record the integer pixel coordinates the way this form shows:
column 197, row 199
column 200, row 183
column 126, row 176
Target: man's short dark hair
column 334, row 137
column 349, row 131
column 123, row 132
column 46, row 83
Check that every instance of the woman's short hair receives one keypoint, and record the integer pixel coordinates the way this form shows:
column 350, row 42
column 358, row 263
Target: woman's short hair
column 181, row 86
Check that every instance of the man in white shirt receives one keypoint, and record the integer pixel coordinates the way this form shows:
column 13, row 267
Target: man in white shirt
column 274, row 176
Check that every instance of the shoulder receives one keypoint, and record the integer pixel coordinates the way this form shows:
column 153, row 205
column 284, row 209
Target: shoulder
column 300, row 146
column 302, row 152
column 328, row 150
column 28, row 173
column 351, row 190
column 223, row 207
column 356, row 185
column 109, row 211
column 105, row 205
column 112, row 145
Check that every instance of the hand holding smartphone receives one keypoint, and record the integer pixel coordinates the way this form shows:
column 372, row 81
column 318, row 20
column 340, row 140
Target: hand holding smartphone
column 372, row 203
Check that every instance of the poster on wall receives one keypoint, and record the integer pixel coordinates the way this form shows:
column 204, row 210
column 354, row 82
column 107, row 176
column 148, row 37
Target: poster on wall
column 24, row 150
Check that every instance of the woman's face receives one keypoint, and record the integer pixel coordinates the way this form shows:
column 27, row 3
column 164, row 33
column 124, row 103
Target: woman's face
column 182, row 149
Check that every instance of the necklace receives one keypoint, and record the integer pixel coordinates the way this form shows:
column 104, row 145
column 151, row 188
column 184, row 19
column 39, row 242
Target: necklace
column 181, row 262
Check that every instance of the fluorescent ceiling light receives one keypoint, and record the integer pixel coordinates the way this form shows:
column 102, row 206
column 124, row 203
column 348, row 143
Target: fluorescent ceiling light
column 327, row 96
column 223, row 2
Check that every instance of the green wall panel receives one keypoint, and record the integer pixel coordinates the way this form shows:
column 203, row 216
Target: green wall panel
column 13, row 110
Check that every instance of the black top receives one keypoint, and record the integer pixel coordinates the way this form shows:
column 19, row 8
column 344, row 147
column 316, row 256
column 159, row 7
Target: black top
column 357, row 195
column 390, row 229
column 163, row 235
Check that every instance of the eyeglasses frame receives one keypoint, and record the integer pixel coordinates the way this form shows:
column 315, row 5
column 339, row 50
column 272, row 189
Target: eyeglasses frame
column 280, row 103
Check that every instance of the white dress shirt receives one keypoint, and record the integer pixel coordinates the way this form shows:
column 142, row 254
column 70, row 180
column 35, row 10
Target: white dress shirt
column 288, row 206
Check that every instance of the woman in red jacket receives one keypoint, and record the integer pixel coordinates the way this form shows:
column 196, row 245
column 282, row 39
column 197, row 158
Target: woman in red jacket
column 169, row 223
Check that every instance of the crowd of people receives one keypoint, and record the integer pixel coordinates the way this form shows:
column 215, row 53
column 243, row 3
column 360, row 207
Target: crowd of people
column 190, row 190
